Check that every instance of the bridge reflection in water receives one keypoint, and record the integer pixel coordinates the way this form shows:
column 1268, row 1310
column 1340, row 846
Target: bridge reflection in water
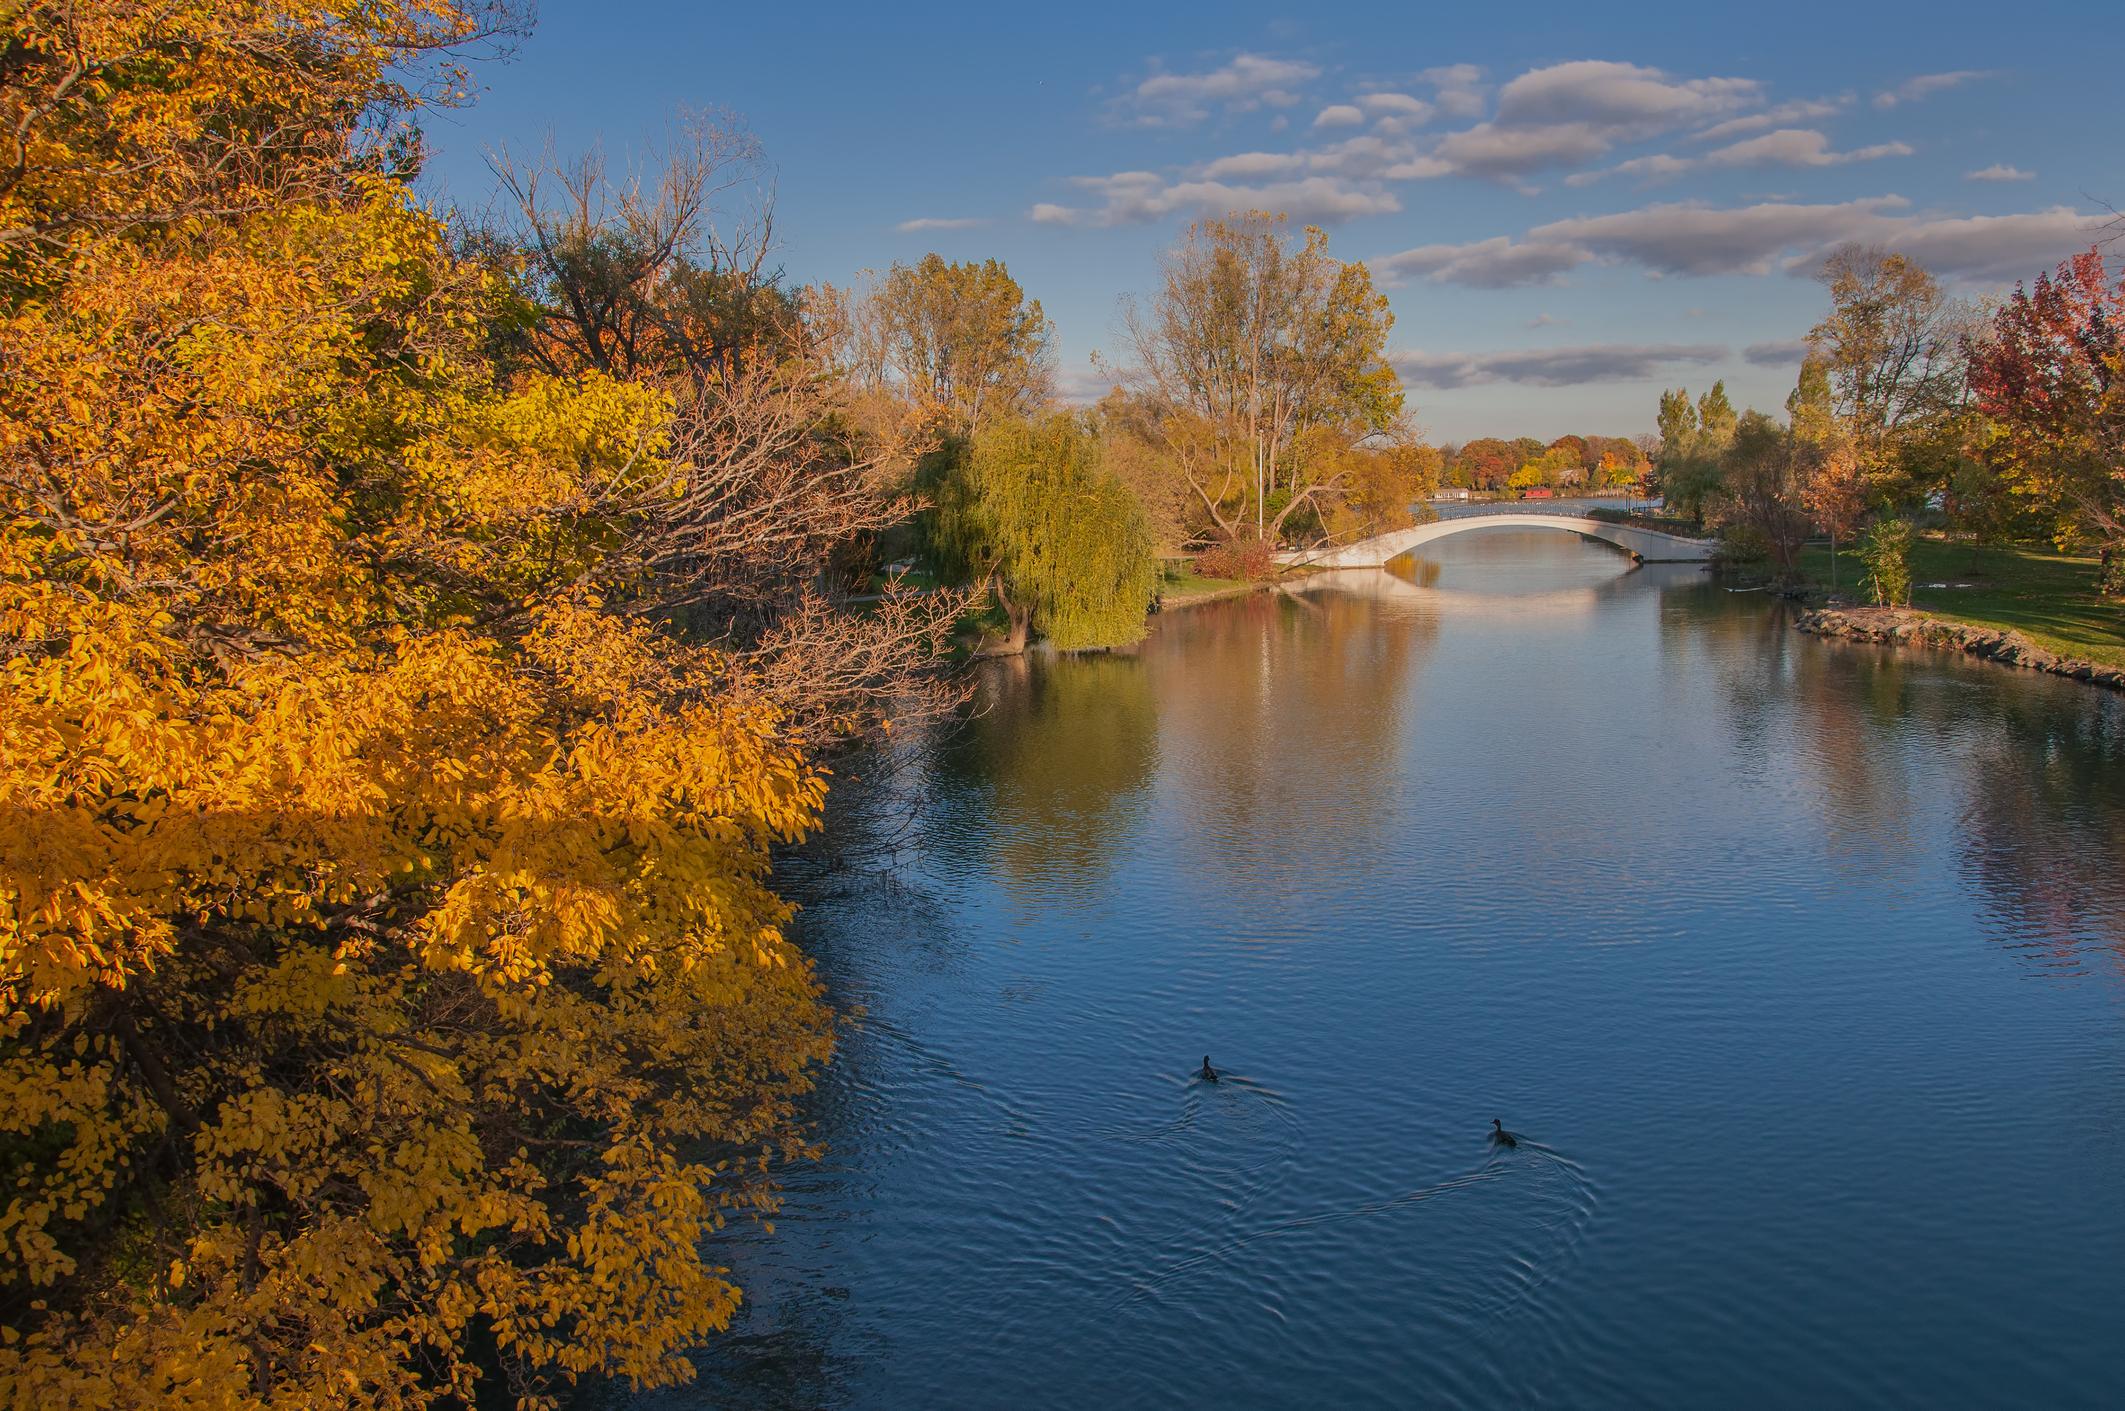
column 1414, row 582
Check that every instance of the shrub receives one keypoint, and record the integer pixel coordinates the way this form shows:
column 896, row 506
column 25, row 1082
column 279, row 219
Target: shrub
column 1887, row 555
column 1249, row 559
column 1743, row 543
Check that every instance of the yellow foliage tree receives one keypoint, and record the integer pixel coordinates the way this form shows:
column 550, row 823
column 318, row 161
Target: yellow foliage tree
column 391, row 994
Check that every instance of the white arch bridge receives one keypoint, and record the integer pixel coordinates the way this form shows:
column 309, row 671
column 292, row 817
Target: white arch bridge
column 1645, row 545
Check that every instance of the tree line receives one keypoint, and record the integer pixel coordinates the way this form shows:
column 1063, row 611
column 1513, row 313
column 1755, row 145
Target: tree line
column 1254, row 408
column 1571, row 464
column 2000, row 422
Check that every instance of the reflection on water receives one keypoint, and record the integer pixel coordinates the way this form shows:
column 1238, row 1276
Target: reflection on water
column 1800, row 964
column 1050, row 770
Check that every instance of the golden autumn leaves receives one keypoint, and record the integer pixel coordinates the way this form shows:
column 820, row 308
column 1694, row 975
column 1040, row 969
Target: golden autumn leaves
column 391, row 994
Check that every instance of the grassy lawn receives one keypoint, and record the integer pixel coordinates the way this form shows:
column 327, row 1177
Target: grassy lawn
column 2049, row 598
column 919, row 576
column 1180, row 580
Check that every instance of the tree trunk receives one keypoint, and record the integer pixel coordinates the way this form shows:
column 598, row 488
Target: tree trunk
column 1019, row 616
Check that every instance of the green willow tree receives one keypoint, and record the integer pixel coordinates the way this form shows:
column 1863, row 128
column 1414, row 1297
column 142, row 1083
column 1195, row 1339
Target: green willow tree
column 1029, row 506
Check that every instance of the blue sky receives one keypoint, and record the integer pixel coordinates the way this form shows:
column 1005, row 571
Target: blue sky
column 1571, row 206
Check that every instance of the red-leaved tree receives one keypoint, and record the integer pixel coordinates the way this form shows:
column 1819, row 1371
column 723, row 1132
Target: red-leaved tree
column 2049, row 373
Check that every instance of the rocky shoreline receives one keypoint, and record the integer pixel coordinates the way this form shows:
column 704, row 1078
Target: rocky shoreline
column 1903, row 627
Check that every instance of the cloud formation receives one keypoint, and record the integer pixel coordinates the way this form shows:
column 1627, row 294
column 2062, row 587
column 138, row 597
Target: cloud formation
column 1551, row 367
column 1568, row 114
column 1399, row 105
column 1244, row 83
column 1570, row 117
column 1991, row 247
column 1925, row 85
column 1497, row 263
column 1787, row 147
column 1999, row 171
column 1689, row 239
column 940, row 223
column 1457, row 89
column 1780, row 115
column 1785, row 353
column 1618, row 97
column 1134, row 197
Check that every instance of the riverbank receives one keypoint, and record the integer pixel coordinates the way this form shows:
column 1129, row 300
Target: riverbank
column 2045, row 598
column 1904, row 627
column 1189, row 589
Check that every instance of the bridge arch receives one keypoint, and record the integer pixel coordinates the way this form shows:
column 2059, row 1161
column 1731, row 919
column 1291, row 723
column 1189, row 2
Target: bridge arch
column 1645, row 545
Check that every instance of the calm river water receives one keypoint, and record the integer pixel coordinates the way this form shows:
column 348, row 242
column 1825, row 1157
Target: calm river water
column 1799, row 966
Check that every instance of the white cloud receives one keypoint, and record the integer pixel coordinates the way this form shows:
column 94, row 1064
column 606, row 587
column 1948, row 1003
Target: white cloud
column 1246, row 82
column 940, row 223
column 1551, row 367
column 1797, row 147
column 1781, row 115
column 1395, row 112
column 1339, row 115
column 1999, row 171
column 1685, row 238
column 1135, row 197
column 1659, row 167
column 1497, row 263
column 1619, row 97
column 1399, row 104
column 1048, row 213
column 1493, row 151
column 1996, row 247
column 1569, row 114
column 1084, row 384
column 1787, row 147
column 1457, row 89
column 1925, row 85
column 1366, row 157
column 1249, row 166
column 1376, row 158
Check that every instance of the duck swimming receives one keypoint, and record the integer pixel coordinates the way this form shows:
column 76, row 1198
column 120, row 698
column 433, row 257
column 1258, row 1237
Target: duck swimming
column 1499, row 1135
column 1209, row 1074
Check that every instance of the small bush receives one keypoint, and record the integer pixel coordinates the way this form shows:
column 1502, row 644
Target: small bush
column 2110, row 574
column 1247, row 559
column 1887, row 555
column 1742, row 543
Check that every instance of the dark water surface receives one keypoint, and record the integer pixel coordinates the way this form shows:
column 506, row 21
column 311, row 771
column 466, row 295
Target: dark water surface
column 1801, row 966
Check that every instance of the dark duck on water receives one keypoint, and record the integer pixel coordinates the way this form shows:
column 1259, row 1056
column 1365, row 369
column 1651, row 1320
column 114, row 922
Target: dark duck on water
column 1499, row 1135
column 1208, row 1074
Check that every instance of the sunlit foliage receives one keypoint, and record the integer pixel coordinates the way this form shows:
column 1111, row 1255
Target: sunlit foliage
column 1029, row 507
column 391, row 997
column 2049, row 374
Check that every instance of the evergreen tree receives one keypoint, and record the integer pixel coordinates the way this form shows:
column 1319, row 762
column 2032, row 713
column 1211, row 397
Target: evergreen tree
column 1692, row 436
column 1716, row 421
column 1809, row 408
